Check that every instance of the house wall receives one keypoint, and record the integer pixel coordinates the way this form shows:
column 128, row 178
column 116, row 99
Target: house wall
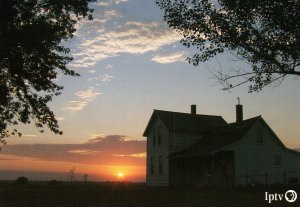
column 155, row 152
column 292, row 166
column 255, row 162
column 170, row 143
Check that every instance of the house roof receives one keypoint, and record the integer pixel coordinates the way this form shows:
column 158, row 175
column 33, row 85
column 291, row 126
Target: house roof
column 185, row 122
column 217, row 138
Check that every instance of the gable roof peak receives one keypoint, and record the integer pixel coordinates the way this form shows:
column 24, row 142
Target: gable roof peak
column 185, row 122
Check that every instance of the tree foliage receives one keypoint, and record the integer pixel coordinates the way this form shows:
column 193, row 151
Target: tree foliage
column 22, row 180
column 32, row 57
column 266, row 34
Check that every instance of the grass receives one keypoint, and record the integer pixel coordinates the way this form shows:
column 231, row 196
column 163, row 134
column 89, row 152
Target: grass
column 131, row 195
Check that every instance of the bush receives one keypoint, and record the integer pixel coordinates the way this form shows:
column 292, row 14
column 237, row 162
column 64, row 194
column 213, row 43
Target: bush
column 22, row 180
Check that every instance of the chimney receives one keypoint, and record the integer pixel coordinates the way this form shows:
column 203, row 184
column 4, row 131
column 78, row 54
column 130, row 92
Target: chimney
column 239, row 112
column 193, row 109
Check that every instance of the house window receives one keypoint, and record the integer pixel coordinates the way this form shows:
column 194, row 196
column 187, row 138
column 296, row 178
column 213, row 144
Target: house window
column 278, row 160
column 160, row 165
column 159, row 136
column 154, row 137
column 259, row 138
column 152, row 166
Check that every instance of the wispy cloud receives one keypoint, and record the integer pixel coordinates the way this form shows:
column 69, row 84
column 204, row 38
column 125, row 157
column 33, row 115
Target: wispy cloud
column 132, row 155
column 106, row 77
column 30, row 135
column 120, row 1
column 83, row 151
column 111, row 13
column 76, row 105
column 114, row 32
column 60, row 118
column 109, row 66
column 109, row 2
column 102, row 3
column 88, row 94
column 96, row 136
column 169, row 58
column 92, row 71
column 91, row 79
column 84, row 98
column 101, row 150
column 98, row 43
column 6, row 159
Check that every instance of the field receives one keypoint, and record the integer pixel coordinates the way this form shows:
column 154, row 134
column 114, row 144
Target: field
column 132, row 195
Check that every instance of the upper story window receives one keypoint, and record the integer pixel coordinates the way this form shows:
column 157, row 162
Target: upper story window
column 160, row 165
column 159, row 135
column 152, row 166
column 154, row 135
column 259, row 137
column 278, row 160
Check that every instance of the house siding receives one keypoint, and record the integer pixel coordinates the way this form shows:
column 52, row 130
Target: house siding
column 170, row 143
column 255, row 163
column 292, row 167
column 155, row 152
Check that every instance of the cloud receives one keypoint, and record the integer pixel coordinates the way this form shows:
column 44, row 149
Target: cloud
column 84, row 98
column 91, row 79
column 102, row 3
column 76, row 105
column 132, row 155
column 111, row 13
column 6, row 159
column 120, row 1
column 88, row 94
column 115, row 31
column 169, row 58
column 101, row 150
column 83, row 151
column 108, row 67
column 31, row 135
column 60, row 118
column 92, row 71
column 99, row 42
column 95, row 136
column 109, row 2
column 106, row 77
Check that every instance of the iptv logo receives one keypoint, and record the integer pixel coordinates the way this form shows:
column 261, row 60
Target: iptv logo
column 290, row 196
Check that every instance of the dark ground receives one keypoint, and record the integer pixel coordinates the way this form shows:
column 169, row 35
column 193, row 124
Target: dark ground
column 134, row 195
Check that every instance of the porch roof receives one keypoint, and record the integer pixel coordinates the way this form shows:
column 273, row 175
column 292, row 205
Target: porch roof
column 217, row 138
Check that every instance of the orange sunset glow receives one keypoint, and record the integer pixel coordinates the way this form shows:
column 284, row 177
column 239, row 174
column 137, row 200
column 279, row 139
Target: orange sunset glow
column 111, row 158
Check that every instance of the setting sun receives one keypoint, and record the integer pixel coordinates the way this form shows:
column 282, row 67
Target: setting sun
column 120, row 174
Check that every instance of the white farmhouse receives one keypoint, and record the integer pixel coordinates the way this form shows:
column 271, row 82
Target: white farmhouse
column 197, row 150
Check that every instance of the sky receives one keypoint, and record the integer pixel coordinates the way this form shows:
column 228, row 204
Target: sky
column 131, row 63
